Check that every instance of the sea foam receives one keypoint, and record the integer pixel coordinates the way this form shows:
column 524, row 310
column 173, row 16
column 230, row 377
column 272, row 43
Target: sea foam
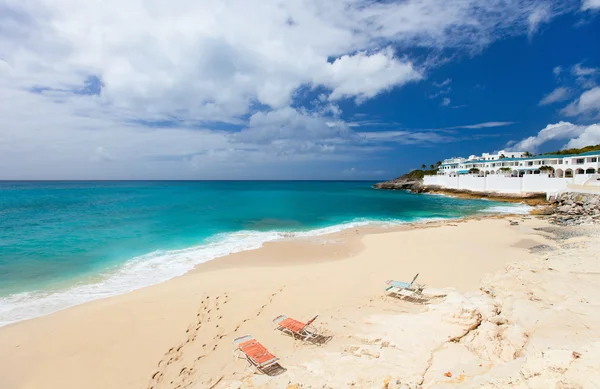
column 146, row 270
column 160, row 266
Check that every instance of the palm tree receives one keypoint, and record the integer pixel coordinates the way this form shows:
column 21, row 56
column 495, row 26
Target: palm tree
column 431, row 167
column 527, row 154
column 423, row 166
column 438, row 163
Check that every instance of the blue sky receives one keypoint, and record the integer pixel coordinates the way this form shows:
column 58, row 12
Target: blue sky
column 304, row 89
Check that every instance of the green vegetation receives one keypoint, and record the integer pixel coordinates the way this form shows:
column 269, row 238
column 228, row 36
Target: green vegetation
column 473, row 170
column 575, row 151
column 546, row 168
column 505, row 169
column 418, row 174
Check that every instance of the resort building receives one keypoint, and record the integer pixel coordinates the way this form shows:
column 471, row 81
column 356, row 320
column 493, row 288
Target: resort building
column 519, row 172
column 517, row 164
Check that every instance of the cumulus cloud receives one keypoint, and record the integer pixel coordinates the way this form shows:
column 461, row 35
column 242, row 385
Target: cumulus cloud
column 558, row 94
column 445, row 102
column 169, row 87
column 587, row 104
column 577, row 134
column 364, row 76
column 589, row 136
column 288, row 124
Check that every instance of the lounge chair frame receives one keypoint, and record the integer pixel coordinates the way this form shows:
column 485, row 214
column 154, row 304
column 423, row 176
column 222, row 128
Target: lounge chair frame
column 270, row 367
column 410, row 291
column 300, row 331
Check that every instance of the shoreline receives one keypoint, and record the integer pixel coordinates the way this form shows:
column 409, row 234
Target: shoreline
column 133, row 330
column 533, row 199
column 279, row 237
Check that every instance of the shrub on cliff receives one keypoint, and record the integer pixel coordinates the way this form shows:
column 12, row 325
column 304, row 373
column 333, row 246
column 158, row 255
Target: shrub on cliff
column 575, row 151
column 418, row 174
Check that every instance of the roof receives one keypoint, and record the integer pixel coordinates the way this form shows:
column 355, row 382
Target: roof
column 549, row 156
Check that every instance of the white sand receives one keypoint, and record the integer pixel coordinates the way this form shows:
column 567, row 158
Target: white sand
column 536, row 327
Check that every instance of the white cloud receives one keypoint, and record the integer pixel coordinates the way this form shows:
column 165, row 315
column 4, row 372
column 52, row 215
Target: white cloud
column 364, row 76
column 558, row 131
column 406, row 137
column 558, row 94
column 287, row 124
column 585, row 76
column 540, row 15
column 442, row 84
column 587, row 104
column 482, row 125
column 590, row 4
column 157, row 87
column 355, row 173
column 589, row 136
column 579, row 70
column 557, row 70
column 445, row 102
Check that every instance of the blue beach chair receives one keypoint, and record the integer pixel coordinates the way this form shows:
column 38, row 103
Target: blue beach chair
column 404, row 289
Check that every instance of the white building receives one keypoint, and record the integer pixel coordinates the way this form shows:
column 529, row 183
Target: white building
column 513, row 172
column 517, row 165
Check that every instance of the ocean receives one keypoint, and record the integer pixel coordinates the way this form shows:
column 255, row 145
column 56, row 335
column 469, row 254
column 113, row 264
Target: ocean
column 66, row 243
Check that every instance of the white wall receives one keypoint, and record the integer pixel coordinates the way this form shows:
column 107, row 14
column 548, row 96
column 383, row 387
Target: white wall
column 504, row 184
column 445, row 181
column 501, row 183
column 543, row 183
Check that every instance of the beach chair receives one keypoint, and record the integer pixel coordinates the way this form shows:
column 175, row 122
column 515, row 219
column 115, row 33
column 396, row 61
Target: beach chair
column 407, row 290
column 257, row 355
column 299, row 330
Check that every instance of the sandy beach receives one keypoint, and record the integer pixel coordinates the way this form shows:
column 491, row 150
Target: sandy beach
column 519, row 309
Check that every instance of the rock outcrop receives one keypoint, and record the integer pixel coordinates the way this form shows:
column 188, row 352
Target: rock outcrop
column 401, row 183
column 576, row 209
column 416, row 186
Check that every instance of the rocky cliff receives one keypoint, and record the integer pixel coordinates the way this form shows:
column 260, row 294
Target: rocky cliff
column 575, row 209
column 415, row 185
column 401, row 183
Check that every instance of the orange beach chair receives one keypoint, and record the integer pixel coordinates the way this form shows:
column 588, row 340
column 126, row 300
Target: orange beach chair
column 299, row 330
column 257, row 355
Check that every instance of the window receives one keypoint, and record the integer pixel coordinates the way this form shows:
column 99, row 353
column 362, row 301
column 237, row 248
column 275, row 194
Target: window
column 560, row 161
column 530, row 163
column 580, row 161
column 594, row 159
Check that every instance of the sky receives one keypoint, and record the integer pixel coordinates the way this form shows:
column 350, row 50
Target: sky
column 289, row 89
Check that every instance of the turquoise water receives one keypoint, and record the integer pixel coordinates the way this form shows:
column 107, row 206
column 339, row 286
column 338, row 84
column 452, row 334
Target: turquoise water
column 63, row 243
